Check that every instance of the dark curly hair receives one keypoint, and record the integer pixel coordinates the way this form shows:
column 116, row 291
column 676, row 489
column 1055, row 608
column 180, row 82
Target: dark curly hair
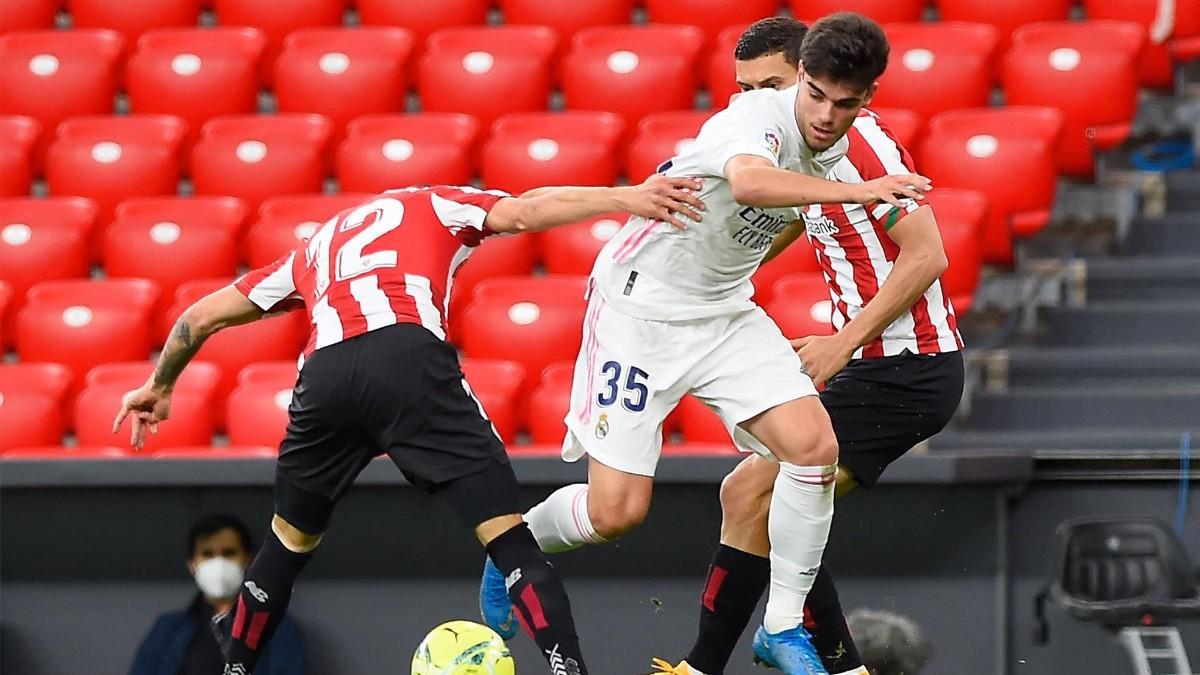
column 845, row 47
column 772, row 36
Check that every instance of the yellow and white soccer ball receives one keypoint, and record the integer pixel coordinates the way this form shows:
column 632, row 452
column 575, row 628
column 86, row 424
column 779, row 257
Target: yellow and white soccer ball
column 462, row 648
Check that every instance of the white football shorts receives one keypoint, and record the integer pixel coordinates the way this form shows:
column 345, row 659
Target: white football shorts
column 631, row 373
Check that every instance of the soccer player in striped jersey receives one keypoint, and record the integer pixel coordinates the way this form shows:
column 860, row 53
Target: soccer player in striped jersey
column 378, row 377
column 894, row 369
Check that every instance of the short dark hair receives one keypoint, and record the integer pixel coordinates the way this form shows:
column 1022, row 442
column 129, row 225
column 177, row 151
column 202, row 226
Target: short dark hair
column 845, row 47
column 772, row 36
column 214, row 523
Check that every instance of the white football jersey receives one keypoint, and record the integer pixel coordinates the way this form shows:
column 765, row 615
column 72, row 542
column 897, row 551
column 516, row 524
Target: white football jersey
column 651, row 270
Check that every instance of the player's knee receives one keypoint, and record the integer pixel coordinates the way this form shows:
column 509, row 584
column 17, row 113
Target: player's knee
column 745, row 496
column 613, row 518
column 816, row 447
column 293, row 538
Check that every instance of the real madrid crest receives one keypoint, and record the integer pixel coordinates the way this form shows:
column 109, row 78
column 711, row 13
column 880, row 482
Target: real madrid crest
column 602, row 427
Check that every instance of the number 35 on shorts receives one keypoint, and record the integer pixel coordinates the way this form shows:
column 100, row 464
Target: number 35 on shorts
column 631, row 389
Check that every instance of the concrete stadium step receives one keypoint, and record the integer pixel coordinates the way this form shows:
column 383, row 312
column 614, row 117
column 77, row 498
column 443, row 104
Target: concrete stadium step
column 1034, row 366
column 1163, row 442
column 1132, row 404
column 1122, row 322
column 1173, row 234
column 1143, row 278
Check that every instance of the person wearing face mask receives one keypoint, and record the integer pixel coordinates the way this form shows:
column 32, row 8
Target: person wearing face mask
column 180, row 643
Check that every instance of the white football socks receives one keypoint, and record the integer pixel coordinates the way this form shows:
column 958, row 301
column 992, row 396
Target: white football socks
column 801, row 513
column 561, row 522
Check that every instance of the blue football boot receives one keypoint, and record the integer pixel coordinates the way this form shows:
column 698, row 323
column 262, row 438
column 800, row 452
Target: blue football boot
column 791, row 651
column 494, row 604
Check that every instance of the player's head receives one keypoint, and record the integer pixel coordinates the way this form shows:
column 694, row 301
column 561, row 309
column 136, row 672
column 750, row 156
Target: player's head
column 841, row 57
column 768, row 54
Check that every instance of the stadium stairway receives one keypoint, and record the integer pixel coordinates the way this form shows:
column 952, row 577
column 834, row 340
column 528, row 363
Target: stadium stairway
column 1116, row 375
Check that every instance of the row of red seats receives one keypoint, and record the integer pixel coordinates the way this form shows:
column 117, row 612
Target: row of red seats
column 1087, row 70
column 277, row 18
column 38, row 405
column 55, row 452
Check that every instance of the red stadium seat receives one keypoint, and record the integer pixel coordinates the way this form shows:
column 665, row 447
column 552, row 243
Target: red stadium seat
column 550, row 402
column 536, row 450
column 388, row 151
column 498, row 386
column 224, row 213
column 55, row 452
column 278, row 374
column 938, row 66
column 572, row 249
column 423, row 17
column 982, row 150
column 45, row 239
column 199, row 376
column 1088, row 70
column 51, row 379
column 710, row 16
column 27, row 14
column 277, row 18
column 883, row 11
column 194, row 452
column 699, row 423
column 661, row 136
column 487, row 72
column 961, row 216
column 111, row 158
column 1004, row 15
column 81, row 324
column 18, row 136
column 29, row 418
column 197, row 74
column 6, row 304
column 495, row 257
column 720, row 74
column 801, row 305
column 171, row 253
column 283, row 222
column 254, row 158
column 632, row 70
column 1155, row 68
column 53, row 75
column 342, row 73
column 714, row 449
column 258, row 415
column 906, row 126
column 191, row 421
column 798, row 258
column 509, row 314
column 132, row 19
column 274, row 339
column 567, row 18
column 529, row 150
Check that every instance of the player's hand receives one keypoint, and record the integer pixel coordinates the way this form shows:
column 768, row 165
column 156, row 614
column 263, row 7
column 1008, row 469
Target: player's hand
column 892, row 189
column 145, row 407
column 823, row 356
column 662, row 198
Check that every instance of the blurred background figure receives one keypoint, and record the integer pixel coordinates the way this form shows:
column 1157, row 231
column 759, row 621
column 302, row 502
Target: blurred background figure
column 890, row 644
column 181, row 642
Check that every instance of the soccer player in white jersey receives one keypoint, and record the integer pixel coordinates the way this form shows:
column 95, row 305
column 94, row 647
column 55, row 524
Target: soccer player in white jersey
column 895, row 364
column 671, row 313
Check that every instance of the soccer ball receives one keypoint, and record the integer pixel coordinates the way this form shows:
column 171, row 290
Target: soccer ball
column 462, row 648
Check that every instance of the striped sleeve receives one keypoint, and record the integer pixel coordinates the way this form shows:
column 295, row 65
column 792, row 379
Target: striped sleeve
column 876, row 153
column 270, row 286
column 463, row 210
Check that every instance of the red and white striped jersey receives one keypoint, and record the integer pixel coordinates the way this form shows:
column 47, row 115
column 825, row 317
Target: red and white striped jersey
column 390, row 260
column 856, row 254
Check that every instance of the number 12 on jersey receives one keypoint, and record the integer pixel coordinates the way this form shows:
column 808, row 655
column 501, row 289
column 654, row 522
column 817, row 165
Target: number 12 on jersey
column 632, row 390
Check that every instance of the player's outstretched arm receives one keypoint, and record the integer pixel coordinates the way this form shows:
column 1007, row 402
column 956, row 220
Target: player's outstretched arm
column 151, row 403
column 756, row 182
column 658, row 198
column 920, row 262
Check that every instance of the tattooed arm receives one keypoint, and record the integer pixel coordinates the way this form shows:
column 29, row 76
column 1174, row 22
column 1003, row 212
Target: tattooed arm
column 151, row 404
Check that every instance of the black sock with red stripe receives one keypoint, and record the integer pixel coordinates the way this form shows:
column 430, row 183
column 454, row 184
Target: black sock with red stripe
column 736, row 580
column 539, row 599
column 263, row 600
column 826, row 624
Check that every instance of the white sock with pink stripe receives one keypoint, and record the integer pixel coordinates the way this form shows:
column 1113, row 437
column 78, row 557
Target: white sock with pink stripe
column 561, row 522
column 801, row 513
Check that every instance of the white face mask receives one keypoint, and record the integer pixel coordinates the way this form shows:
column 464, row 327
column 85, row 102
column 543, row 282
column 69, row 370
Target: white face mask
column 219, row 578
